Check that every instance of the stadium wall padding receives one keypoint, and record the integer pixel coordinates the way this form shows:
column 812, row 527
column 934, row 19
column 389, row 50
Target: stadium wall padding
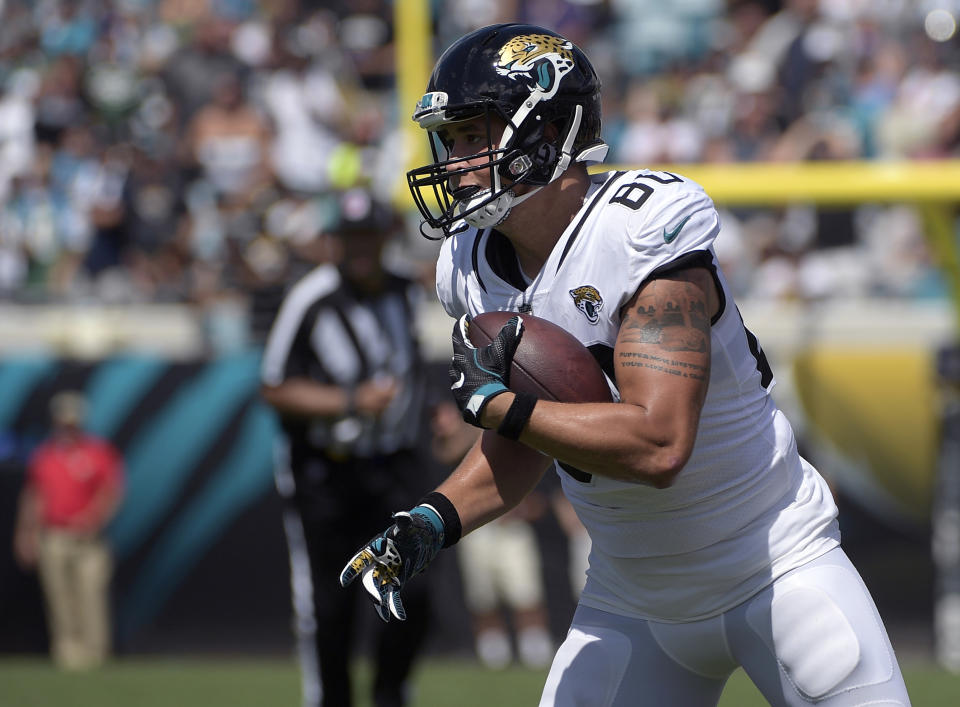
column 196, row 441
column 201, row 559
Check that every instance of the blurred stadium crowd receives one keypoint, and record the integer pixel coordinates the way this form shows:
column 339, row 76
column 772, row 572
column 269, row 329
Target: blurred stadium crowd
column 185, row 150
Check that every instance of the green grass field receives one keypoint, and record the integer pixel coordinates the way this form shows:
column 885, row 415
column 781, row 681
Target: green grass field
column 206, row 682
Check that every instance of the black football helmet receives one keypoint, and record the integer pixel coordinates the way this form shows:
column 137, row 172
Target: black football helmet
column 528, row 76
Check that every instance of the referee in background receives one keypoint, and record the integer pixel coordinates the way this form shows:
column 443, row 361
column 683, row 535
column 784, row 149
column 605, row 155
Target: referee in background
column 342, row 369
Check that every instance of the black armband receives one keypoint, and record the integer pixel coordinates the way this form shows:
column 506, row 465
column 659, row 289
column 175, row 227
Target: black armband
column 452, row 528
column 517, row 415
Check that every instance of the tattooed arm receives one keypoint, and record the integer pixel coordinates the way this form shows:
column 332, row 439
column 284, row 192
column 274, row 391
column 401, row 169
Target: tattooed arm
column 662, row 359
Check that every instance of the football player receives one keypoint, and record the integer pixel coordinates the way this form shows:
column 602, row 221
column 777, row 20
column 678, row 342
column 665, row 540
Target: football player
column 715, row 544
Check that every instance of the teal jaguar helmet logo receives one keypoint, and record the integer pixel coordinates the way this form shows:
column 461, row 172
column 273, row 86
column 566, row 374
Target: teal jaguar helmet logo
column 588, row 301
column 539, row 59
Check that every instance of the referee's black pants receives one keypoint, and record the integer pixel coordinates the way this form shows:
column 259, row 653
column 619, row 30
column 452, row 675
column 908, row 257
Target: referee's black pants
column 343, row 504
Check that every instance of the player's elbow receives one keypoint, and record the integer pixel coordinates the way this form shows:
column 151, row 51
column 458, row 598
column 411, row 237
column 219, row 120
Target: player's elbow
column 654, row 443
column 663, row 474
column 661, row 467
column 666, row 474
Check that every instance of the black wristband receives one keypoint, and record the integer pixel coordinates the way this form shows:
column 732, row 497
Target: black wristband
column 517, row 415
column 452, row 528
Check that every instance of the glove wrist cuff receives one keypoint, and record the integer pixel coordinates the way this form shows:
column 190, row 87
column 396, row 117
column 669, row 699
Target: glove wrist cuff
column 452, row 528
column 518, row 415
column 485, row 394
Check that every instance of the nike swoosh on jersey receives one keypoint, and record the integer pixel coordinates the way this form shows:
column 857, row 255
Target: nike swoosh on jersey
column 459, row 382
column 669, row 236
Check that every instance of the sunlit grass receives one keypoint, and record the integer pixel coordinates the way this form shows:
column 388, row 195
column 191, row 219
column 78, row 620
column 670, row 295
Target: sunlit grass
column 245, row 682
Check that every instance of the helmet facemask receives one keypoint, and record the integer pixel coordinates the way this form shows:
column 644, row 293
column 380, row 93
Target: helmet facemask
column 522, row 154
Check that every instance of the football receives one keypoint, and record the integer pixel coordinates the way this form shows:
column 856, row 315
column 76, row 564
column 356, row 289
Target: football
column 549, row 362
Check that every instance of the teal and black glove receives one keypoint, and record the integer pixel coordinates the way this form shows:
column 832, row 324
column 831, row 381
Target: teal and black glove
column 477, row 376
column 392, row 557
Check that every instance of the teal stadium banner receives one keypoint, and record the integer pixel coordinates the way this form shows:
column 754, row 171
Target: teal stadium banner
column 199, row 531
column 201, row 562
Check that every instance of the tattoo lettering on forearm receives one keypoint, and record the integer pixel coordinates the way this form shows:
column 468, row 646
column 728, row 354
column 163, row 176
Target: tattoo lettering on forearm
column 676, row 323
column 683, row 369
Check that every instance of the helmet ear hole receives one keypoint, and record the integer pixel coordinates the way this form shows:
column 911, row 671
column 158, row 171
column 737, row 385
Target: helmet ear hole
column 538, row 149
column 551, row 132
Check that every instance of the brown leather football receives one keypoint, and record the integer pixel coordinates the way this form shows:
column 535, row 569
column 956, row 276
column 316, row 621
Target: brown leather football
column 549, row 362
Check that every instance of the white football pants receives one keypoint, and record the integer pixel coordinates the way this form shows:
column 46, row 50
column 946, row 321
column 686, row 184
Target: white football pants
column 812, row 637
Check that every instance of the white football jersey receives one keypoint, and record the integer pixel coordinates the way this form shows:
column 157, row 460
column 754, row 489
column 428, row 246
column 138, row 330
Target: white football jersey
column 746, row 508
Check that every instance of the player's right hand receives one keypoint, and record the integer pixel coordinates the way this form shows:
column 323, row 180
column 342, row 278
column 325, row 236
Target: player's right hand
column 392, row 557
column 479, row 375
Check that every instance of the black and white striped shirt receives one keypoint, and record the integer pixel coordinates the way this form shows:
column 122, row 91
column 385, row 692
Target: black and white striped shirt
column 327, row 333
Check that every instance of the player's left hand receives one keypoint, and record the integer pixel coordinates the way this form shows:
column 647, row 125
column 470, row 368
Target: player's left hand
column 392, row 557
column 479, row 375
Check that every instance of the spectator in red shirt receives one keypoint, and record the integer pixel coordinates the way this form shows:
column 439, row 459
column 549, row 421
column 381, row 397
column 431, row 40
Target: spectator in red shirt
column 74, row 486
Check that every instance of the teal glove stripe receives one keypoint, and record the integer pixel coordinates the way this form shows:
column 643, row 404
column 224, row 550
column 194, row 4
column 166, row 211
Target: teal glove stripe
column 476, row 360
column 485, row 391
